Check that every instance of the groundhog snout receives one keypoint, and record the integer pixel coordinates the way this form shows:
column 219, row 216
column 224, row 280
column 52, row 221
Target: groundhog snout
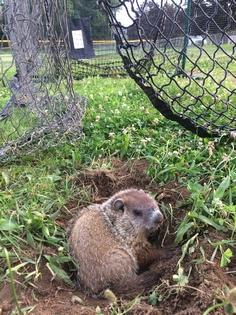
column 156, row 218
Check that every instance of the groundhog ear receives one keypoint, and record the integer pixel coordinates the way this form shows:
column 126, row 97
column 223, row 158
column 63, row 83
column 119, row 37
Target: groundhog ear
column 118, row 204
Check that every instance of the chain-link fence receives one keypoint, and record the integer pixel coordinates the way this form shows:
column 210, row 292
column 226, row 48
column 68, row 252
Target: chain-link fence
column 182, row 54
column 38, row 107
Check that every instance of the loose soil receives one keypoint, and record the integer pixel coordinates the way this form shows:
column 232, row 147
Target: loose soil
column 206, row 280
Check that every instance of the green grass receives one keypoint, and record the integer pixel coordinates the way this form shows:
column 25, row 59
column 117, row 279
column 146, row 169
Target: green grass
column 213, row 88
column 209, row 98
column 120, row 123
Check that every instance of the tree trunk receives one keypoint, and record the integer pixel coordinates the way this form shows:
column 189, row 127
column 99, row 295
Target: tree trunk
column 23, row 27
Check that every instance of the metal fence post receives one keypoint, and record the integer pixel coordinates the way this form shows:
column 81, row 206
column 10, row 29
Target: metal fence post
column 183, row 54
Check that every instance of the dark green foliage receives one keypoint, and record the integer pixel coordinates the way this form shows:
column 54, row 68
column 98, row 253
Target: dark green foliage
column 90, row 8
column 212, row 16
column 162, row 16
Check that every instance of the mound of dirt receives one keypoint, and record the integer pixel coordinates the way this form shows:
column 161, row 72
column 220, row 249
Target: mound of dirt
column 103, row 183
column 205, row 280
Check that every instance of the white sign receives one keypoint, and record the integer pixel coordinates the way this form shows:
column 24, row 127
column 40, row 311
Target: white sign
column 78, row 39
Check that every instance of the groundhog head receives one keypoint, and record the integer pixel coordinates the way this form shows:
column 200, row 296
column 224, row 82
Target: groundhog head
column 136, row 210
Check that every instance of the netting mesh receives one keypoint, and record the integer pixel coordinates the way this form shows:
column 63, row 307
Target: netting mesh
column 105, row 61
column 182, row 54
column 38, row 107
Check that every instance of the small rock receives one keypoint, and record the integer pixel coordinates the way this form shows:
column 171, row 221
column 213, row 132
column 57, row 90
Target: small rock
column 110, row 296
column 98, row 311
column 76, row 299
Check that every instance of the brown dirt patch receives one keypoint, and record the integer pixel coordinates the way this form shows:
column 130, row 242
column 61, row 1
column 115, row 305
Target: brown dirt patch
column 206, row 279
column 103, row 183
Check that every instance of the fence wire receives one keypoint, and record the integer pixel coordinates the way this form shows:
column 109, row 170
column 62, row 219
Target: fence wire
column 182, row 54
column 38, row 106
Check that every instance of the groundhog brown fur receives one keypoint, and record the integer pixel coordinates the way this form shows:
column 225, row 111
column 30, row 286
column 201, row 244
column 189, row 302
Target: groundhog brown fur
column 109, row 242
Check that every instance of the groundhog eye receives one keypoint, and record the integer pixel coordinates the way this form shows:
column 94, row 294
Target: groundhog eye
column 137, row 213
column 119, row 205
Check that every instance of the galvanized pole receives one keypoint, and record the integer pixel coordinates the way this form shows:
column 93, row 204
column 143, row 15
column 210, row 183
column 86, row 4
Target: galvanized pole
column 183, row 55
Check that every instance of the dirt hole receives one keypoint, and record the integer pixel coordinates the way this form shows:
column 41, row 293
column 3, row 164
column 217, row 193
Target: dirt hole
column 205, row 279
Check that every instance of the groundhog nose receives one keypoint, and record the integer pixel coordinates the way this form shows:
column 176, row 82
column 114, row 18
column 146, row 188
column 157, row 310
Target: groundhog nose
column 158, row 218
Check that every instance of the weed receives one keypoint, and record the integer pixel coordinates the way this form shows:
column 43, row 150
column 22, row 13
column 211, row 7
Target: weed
column 119, row 123
column 227, row 301
column 12, row 283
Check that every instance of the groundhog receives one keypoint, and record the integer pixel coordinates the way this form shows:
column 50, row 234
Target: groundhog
column 110, row 243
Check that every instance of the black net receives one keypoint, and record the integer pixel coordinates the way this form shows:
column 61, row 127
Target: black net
column 105, row 63
column 182, row 54
column 95, row 54
column 38, row 107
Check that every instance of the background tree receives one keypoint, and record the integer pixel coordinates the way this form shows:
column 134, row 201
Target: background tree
column 212, row 16
column 158, row 21
column 168, row 19
column 23, row 22
column 90, row 8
